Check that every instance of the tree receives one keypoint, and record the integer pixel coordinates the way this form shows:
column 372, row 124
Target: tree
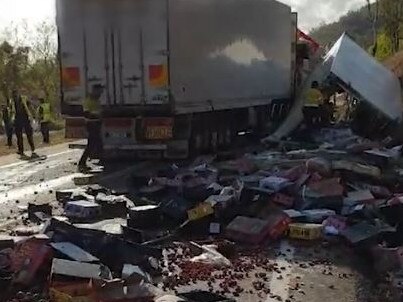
column 373, row 12
column 358, row 24
column 43, row 75
column 385, row 47
column 28, row 61
column 13, row 66
column 392, row 12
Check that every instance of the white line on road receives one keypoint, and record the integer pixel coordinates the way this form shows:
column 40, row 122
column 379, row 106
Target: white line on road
column 19, row 163
column 22, row 192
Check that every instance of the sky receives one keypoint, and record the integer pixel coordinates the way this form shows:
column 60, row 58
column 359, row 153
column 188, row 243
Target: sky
column 311, row 12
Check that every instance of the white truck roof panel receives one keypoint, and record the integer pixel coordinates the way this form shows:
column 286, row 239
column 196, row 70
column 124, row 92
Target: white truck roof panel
column 365, row 77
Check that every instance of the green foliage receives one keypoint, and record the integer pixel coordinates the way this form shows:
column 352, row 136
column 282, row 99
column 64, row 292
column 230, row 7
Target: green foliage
column 28, row 62
column 385, row 47
column 392, row 12
column 386, row 19
column 356, row 23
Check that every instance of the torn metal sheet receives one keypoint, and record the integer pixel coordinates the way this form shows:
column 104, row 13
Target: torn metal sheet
column 364, row 77
column 110, row 226
column 80, row 270
column 134, row 272
column 74, row 252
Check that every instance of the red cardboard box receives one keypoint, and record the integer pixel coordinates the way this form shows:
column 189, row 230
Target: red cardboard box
column 254, row 230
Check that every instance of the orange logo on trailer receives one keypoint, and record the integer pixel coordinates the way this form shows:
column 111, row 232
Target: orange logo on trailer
column 71, row 77
column 158, row 75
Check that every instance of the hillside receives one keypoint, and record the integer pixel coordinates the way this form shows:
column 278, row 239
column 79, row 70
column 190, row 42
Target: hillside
column 395, row 63
column 356, row 23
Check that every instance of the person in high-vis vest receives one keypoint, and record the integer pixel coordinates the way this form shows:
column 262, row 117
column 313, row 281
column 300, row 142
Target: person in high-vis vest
column 45, row 117
column 22, row 123
column 7, row 115
column 92, row 114
column 313, row 105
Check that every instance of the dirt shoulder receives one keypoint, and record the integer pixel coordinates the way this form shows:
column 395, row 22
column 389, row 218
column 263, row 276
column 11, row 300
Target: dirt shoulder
column 56, row 137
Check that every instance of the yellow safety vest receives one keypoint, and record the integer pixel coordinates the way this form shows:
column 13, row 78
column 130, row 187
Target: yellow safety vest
column 92, row 106
column 46, row 113
column 313, row 97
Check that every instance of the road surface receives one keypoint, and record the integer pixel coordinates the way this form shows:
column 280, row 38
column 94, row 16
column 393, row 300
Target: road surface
column 341, row 279
column 22, row 181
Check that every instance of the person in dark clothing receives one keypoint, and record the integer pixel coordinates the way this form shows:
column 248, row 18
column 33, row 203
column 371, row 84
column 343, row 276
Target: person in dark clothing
column 44, row 116
column 22, row 123
column 8, row 120
column 92, row 114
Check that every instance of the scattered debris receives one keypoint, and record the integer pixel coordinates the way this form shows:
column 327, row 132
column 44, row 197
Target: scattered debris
column 305, row 231
column 34, row 209
column 215, row 223
column 73, row 252
column 82, row 210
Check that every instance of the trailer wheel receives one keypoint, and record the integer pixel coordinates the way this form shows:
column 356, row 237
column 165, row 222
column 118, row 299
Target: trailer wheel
column 214, row 141
column 221, row 136
column 196, row 137
column 206, row 140
column 262, row 120
column 228, row 136
column 196, row 142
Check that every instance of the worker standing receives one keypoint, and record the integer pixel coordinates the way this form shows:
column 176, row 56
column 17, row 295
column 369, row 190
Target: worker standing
column 7, row 113
column 92, row 114
column 44, row 115
column 22, row 123
column 313, row 105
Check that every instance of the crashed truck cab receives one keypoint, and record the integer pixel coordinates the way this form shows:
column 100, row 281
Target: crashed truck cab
column 363, row 77
column 349, row 68
column 179, row 75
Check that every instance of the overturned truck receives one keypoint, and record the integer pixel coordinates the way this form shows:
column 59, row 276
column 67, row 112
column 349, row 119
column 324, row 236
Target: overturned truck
column 178, row 75
column 347, row 67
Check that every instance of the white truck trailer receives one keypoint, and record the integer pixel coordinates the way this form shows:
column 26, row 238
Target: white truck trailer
column 178, row 75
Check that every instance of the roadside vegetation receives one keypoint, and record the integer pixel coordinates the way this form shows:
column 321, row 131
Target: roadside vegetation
column 377, row 26
column 28, row 62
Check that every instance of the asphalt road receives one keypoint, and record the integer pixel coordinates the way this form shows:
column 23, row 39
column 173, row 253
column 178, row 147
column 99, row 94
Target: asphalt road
column 312, row 272
column 24, row 181
column 341, row 278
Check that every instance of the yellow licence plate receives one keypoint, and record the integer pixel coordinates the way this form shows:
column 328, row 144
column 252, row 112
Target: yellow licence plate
column 158, row 132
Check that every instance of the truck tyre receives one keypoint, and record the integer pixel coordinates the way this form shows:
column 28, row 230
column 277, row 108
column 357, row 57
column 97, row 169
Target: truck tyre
column 221, row 137
column 214, row 141
column 228, row 136
column 206, row 140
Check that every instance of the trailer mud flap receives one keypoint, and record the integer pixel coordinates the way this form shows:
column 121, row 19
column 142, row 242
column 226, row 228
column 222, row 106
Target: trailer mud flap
column 178, row 149
column 75, row 128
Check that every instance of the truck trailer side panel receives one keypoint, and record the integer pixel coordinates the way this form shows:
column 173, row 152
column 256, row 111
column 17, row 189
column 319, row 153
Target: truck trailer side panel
column 141, row 56
column 121, row 46
column 72, row 55
column 229, row 50
column 176, row 73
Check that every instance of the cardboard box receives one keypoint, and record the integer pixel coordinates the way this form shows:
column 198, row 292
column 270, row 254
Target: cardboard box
column 305, row 231
column 254, row 230
column 82, row 209
column 246, row 229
